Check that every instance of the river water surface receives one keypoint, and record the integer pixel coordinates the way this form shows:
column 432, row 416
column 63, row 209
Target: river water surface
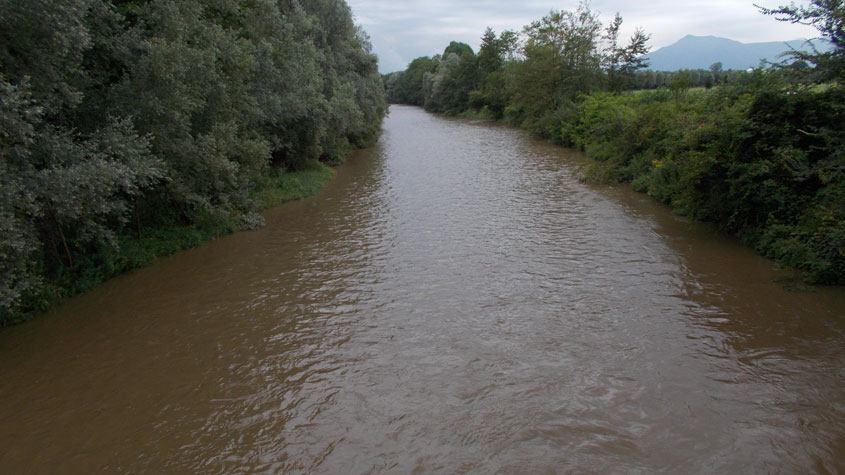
column 454, row 301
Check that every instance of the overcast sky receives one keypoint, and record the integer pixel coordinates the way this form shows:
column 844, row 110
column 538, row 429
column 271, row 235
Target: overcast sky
column 402, row 30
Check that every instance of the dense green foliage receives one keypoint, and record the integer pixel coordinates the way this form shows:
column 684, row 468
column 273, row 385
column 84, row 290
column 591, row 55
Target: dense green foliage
column 761, row 154
column 406, row 87
column 131, row 128
column 707, row 78
column 527, row 78
column 280, row 186
column 757, row 159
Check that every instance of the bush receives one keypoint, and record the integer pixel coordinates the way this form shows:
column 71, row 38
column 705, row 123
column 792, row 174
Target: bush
column 759, row 160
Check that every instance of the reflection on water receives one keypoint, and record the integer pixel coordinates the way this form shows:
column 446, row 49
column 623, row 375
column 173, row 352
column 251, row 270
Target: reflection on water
column 454, row 301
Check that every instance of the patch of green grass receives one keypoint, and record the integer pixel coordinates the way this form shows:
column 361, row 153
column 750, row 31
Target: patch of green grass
column 280, row 186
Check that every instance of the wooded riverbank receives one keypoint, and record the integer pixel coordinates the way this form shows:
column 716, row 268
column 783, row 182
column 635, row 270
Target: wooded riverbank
column 455, row 300
column 132, row 129
column 761, row 154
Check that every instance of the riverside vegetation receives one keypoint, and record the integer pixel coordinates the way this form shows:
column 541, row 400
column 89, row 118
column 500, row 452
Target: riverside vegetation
column 760, row 154
column 131, row 129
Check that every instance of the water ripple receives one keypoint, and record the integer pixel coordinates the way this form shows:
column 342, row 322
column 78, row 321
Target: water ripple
column 456, row 301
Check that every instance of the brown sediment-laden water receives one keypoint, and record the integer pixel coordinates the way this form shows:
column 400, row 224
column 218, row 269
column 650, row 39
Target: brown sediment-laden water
column 454, row 301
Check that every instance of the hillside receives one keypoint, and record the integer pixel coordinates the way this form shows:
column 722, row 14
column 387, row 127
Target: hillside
column 699, row 52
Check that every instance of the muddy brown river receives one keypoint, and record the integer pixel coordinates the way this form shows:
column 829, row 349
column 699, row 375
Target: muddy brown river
column 456, row 302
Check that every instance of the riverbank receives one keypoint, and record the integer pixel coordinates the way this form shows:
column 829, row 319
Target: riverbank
column 148, row 127
column 760, row 161
column 760, row 155
column 756, row 158
column 134, row 251
column 454, row 288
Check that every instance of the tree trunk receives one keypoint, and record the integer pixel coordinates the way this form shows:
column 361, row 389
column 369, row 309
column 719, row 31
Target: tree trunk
column 64, row 243
column 137, row 219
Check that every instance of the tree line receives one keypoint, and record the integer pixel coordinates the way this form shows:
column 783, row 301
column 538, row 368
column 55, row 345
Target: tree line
column 527, row 77
column 760, row 154
column 121, row 120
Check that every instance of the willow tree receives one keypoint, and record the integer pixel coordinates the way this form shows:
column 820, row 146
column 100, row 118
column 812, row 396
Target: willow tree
column 126, row 114
column 456, row 76
column 408, row 88
column 67, row 186
column 352, row 86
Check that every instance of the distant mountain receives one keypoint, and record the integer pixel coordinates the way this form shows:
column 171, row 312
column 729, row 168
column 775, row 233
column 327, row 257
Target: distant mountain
column 699, row 52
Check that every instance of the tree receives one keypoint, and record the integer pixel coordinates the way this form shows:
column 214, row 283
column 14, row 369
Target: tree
column 44, row 41
column 491, row 52
column 390, row 81
column 716, row 72
column 561, row 61
column 828, row 17
column 456, row 76
column 120, row 114
column 620, row 63
column 350, row 73
column 408, row 88
column 19, row 117
column 284, row 98
column 495, row 60
column 457, row 48
column 68, row 185
column 680, row 83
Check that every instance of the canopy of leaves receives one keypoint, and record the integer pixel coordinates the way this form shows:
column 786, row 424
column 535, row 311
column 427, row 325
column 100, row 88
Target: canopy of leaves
column 561, row 56
column 123, row 115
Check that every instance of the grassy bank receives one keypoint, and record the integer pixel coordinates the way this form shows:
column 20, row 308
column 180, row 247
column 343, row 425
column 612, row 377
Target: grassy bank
column 762, row 161
column 279, row 186
column 133, row 251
